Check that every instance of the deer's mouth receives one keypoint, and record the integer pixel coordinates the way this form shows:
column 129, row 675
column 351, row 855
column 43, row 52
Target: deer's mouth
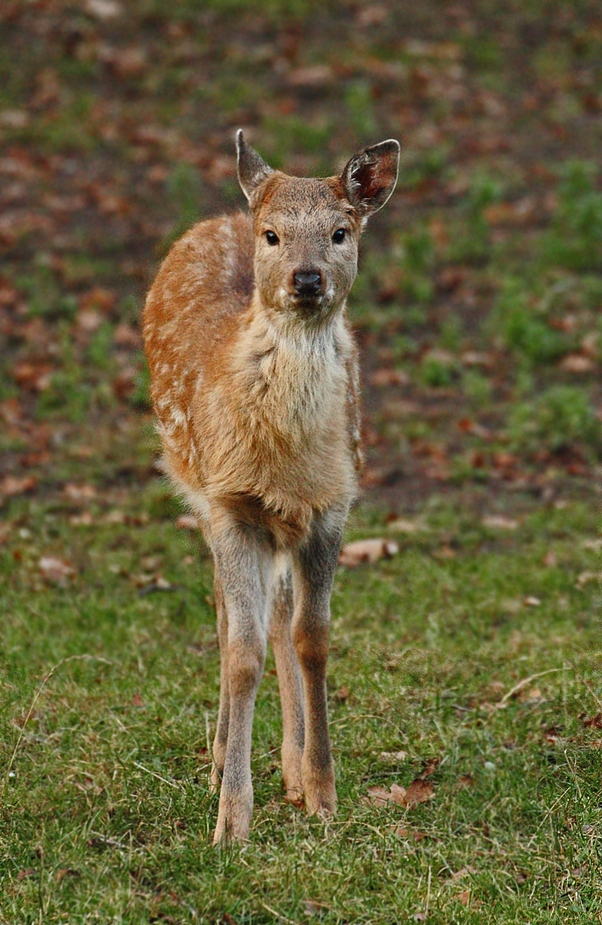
column 309, row 305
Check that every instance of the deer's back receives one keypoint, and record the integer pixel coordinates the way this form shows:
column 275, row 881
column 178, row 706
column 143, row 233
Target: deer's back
column 206, row 278
column 205, row 282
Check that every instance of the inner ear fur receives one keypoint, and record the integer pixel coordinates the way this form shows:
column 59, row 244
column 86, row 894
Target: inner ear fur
column 370, row 176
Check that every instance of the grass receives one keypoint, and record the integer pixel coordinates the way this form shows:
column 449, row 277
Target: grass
column 109, row 695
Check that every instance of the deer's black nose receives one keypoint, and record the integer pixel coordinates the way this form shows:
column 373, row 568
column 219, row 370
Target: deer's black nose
column 307, row 282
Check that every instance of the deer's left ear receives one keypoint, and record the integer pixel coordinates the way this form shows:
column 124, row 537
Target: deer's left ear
column 252, row 169
column 370, row 176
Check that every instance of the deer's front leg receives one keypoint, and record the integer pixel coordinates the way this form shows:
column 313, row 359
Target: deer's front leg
column 243, row 566
column 314, row 573
column 289, row 682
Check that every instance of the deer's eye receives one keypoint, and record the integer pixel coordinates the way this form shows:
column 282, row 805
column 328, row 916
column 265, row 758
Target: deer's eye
column 271, row 238
column 339, row 236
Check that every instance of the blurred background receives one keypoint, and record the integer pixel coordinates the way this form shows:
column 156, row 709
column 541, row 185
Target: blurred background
column 477, row 305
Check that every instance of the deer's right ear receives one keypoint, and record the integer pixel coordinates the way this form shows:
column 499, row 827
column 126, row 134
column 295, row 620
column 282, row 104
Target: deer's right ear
column 252, row 169
column 370, row 177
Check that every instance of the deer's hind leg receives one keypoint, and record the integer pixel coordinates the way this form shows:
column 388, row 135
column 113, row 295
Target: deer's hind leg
column 223, row 717
column 315, row 566
column 289, row 682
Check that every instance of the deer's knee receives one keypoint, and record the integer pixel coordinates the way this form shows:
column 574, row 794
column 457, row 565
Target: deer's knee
column 311, row 644
column 245, row 665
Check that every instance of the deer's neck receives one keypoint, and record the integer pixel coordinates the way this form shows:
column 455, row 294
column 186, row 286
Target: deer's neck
column 293, row 373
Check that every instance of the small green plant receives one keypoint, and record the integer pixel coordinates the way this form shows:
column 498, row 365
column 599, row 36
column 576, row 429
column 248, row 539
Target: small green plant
column 99, row 352
column 560, row 417
column 473, row 244
column 45, row 298
column 482, row 51
column 184, row 189
column 523, row 329
column 575, row 239
column 294, row 135
column 67, row 130
column 416, row 257
column 451, row 333
column 140, row 397
column 69, row 394
column 425, row 166
column 233, row 93
column 476, row 386
column 129, row 309
column 437, row 370
column 360, row 109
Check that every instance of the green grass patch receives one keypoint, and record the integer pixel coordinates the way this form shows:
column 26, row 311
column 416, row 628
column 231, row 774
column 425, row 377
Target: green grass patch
column 478, row 668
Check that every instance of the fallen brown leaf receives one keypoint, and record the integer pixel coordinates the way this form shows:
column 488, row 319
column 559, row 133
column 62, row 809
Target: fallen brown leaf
column 89, row 320
column 445, row 552
column 124, row 383
column 403, row 832
column 104, row 9
column 529, row 695
column 553, row 734
column 17, row 485
column 317, row 75
column 55, row 570
column 401, row 525
column 35, row 376
column 342, row 694
column 371, row 15
column 393, row 756
column 468, row 426
column 577, row 363
column 499, row 522
column 227, row 919
column 314, row 908
column 379, row 796
column 585, row 578
column 472, row 358
column 127, row 336
column 354, row 554
column 63, row 872
column 464, row 782
column 11, row 412
column 590, row 344
column 79, row 492
column 384, row 475
column 419, row 791
column 387, row 377
column 462, row 872
column 430, row 766
column 98, row 297
column 84, row 519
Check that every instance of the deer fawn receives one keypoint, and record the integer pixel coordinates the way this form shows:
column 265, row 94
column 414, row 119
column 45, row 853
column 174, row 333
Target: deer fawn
column 255, row 385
